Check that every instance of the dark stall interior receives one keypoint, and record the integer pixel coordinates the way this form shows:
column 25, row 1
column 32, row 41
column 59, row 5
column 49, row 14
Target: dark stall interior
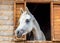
column 41, row 12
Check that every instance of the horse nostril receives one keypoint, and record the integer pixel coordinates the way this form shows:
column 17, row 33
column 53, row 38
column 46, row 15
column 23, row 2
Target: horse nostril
column 17, row 32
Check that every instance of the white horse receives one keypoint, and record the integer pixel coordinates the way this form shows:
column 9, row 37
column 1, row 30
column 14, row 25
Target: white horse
column 28, row 23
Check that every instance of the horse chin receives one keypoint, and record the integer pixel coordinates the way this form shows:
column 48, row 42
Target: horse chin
column 19, row 36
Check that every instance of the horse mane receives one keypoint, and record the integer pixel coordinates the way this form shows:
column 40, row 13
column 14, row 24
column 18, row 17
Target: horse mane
column 36, row 24
column 34, row 20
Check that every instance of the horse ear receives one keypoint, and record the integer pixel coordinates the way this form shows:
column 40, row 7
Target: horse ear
column 21, row 10
column 28, row 10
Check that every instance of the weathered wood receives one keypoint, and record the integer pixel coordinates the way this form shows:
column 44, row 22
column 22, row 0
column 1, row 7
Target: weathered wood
column 39, row 1
column 6, row 2
column 56, row 23
column 14, row 14
column 56, row 2
column 6, row 38
column 38, row 41
column 6, row 28
column 6, row 20
column 51, row 15
column 7, row 42
column 6, row 17
column 20, row 1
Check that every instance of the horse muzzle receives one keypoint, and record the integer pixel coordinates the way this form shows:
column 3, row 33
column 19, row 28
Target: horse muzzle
column 19, row 33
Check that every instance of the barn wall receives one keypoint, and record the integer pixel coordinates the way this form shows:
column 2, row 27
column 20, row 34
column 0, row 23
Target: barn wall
column 7, row 24
column 6, row 20
column 56, row 23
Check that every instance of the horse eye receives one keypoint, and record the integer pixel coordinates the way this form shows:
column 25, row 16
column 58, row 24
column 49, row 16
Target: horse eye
column 27, row 21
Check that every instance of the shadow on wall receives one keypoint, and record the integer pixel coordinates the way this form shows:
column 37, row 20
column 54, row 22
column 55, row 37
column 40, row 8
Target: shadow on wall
column 42, row 15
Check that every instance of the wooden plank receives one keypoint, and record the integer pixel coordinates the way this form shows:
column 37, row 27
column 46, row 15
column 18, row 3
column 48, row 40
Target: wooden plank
column 7, row 42
column 38, row 41
column 56, row 42
column 56, row 2
column 6, row 38
column 20, row 1
column 39, row 1
column 51, row 12
column 6, row 2
column 14, row 14
column 11, row 42
column 19, row 41
column 56, row 20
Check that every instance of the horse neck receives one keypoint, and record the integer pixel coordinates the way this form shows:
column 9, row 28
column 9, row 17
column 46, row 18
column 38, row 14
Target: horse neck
column 38, row 34
column 36, row 31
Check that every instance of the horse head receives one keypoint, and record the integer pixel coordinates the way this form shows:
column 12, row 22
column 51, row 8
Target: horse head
column 25, row 23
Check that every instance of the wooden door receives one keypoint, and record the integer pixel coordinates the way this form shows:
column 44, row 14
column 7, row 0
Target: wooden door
column 17, row 6
column 56, row 22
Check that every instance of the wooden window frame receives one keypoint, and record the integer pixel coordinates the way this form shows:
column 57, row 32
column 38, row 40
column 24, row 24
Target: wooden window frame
column 51, row 15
